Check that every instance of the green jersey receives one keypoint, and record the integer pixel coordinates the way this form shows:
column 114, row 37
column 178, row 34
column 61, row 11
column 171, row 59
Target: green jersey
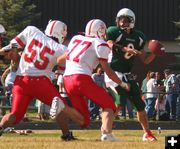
column 121, row 61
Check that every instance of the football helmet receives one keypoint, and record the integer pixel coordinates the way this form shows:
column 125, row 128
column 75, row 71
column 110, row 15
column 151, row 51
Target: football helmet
column 2, row 29
column 126, row 12
column 96, row 28
column 56, row 29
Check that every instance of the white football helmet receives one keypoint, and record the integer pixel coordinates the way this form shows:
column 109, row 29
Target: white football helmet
column 2, row 29
column 56, row 29
column 127, row 13
column 96, row 28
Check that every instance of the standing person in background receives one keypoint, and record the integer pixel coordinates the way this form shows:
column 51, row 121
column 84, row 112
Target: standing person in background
column 85, row 53
column 144, row 87
column 55, row 79
column 172, row 88
column 127, row 108
column 178, row 100
column 98, row 78
column 7, row 80
column 152, row 95
column 127, row 43
column 60, row 83
column 3, row 39
column 41, row 53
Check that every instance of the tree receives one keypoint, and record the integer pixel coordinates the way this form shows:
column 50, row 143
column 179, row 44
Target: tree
column 15, row 15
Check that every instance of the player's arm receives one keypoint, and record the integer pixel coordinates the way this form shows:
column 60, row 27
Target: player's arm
column 119, row 48
column 113, row 34
column 4, row 75
column 112, row 75
column 146, row 58
column 61, row 60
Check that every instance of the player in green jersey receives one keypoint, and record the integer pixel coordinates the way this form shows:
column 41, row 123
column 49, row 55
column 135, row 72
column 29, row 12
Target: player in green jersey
column 126, row 44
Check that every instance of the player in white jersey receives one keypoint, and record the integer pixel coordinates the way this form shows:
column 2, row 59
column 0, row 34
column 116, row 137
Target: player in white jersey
column 85, row 53
column 41, row 53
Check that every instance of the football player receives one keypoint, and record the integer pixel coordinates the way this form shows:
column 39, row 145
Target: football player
column 41, row 53
column 127, row 43
column 85, row 53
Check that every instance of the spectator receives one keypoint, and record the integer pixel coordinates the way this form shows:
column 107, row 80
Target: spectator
column 144, row 87
column 178, row 100
column 152, row 94
column 98, row 78
column 129, row 108
column 160, row 109
column 60, row 83
column 55, row 79
column 171, row 87
column 43, row 110
column 3, row 39
column 7, row 80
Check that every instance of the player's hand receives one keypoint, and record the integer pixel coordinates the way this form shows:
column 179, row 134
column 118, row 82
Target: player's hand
column 10, row 46
column 131, row 51
column 126, row 86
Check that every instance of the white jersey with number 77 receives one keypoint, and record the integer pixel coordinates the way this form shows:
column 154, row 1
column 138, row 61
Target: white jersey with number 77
column 84, row 54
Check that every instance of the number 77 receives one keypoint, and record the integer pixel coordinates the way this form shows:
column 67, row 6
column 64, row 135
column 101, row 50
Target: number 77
column 82, row 45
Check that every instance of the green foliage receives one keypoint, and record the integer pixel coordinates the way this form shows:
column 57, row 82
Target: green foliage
column 15, row 15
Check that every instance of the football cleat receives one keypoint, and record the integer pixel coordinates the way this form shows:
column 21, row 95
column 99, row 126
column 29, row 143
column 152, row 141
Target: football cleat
column 68, row 137
column 148, row 136
column 108, row 137
column 56, row 107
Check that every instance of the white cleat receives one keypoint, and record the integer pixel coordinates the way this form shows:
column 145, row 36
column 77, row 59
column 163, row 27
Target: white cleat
column 109, row 137
column 56, row 107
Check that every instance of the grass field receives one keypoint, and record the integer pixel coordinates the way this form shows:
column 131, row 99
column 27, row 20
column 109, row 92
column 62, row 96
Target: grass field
column 88, row 139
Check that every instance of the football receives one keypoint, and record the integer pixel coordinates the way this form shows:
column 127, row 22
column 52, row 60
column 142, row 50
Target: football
column 156, row 47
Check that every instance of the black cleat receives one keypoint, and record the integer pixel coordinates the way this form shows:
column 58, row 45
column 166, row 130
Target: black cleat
column 68, row 137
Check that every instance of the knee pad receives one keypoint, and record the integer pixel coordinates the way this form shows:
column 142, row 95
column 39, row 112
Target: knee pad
column 56, row 107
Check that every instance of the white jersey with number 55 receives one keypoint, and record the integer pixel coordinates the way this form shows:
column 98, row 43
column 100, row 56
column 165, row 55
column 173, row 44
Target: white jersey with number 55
column 84, row 53
column 40, row 52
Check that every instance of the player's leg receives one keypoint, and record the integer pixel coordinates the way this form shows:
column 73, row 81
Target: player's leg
column 77, row 99
column 141, row 114
column 59, row 109
column 19, row 106
column 49, row 95
column 100, row 97
column 113, row 92
column 120, row 96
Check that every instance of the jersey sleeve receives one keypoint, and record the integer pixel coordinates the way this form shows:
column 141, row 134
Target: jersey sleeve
column 61, row 50
column 22, row 37
column 113, row 33
column 142, row 38
column 102, row 51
